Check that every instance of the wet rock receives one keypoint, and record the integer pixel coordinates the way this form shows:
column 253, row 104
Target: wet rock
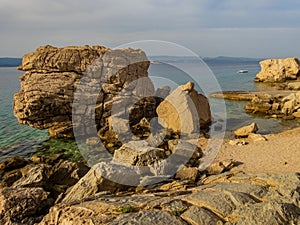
column 11, row 164
column 23, row 205
column 246, row 130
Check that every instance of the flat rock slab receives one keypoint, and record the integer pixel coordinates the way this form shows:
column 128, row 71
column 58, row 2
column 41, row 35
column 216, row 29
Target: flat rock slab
column 228, row 198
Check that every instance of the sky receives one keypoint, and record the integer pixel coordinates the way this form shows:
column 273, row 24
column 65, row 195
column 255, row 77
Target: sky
column 252, row 28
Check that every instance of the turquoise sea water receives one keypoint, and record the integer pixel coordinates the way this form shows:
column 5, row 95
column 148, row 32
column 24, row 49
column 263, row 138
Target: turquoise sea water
column 16, row 139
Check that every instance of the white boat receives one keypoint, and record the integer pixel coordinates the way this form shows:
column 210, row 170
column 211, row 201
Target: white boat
column 243, row 71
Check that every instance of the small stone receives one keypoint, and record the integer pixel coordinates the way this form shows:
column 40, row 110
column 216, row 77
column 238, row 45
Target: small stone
column 246, row 130
column 296, row 114
column 187, row 173
column 92, row 141
column 220, row 167
column 256, row 137
column 238, row 142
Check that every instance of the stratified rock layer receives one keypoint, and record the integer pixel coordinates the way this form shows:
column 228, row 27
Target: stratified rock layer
column 52, row 75
column 229, row 198
column 278, row 70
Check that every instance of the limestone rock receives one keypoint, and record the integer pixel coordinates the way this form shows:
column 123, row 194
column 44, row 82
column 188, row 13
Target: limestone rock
column 246, row 130
column 11, row 164
column 187, row 173
column 102, row 177
column 23, row 205
column 293, row 86
column 220, row 167
column 138, row 153
column 184, row 110
column 237, row 142
column 198, row 215
column 46, row 98
column 34, row 176
column 227, row 198
column 278, row 70
column 256, row 137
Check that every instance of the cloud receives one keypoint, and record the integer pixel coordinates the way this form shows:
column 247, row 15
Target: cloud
column 27, row 24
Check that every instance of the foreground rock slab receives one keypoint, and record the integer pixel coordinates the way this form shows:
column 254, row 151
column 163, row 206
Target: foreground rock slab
column 228, row 198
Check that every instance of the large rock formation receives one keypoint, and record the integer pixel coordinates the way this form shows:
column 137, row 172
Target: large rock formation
column 278, row 70
column 52, row 75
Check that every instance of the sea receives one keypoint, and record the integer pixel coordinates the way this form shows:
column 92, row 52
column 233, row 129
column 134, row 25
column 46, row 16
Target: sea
column 22, row 140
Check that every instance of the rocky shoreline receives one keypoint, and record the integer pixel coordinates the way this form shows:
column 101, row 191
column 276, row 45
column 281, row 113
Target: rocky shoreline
column 40, row 191
column 50, row 189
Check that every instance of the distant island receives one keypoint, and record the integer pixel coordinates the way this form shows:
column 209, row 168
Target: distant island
column 10, row 62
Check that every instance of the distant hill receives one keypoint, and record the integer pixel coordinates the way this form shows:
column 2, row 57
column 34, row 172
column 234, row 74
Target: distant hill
column 10, row 62
column 224, row 59
column 231, row 59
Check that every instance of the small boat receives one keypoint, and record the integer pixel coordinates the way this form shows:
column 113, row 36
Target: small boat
column 154, row 62
column 243, row 71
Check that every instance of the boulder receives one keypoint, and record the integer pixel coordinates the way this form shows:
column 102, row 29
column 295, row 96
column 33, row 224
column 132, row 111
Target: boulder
column 138, row 153
column 246, row 130
column 23, row 205
column 52, row 75
column 11, row 164
column 187, row 173
column 185, row 110
column 278, row 70
column 102, row 177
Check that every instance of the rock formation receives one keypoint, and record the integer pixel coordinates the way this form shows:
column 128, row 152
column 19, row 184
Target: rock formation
column 278, row 70
column 287, row 107
column 100, row 92
column 184, row 110
column 229, row 198
column 52, row 75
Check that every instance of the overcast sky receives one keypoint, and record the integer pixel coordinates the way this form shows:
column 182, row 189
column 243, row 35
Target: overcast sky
column 250, row 28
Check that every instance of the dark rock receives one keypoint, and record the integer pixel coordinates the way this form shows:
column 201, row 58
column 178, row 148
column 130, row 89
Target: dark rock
column 23, row 205
column 11, row 164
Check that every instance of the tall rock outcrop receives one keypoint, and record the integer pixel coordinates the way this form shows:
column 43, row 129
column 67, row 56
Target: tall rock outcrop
column 278, row 70
column 185, row 110
column 52, row 75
